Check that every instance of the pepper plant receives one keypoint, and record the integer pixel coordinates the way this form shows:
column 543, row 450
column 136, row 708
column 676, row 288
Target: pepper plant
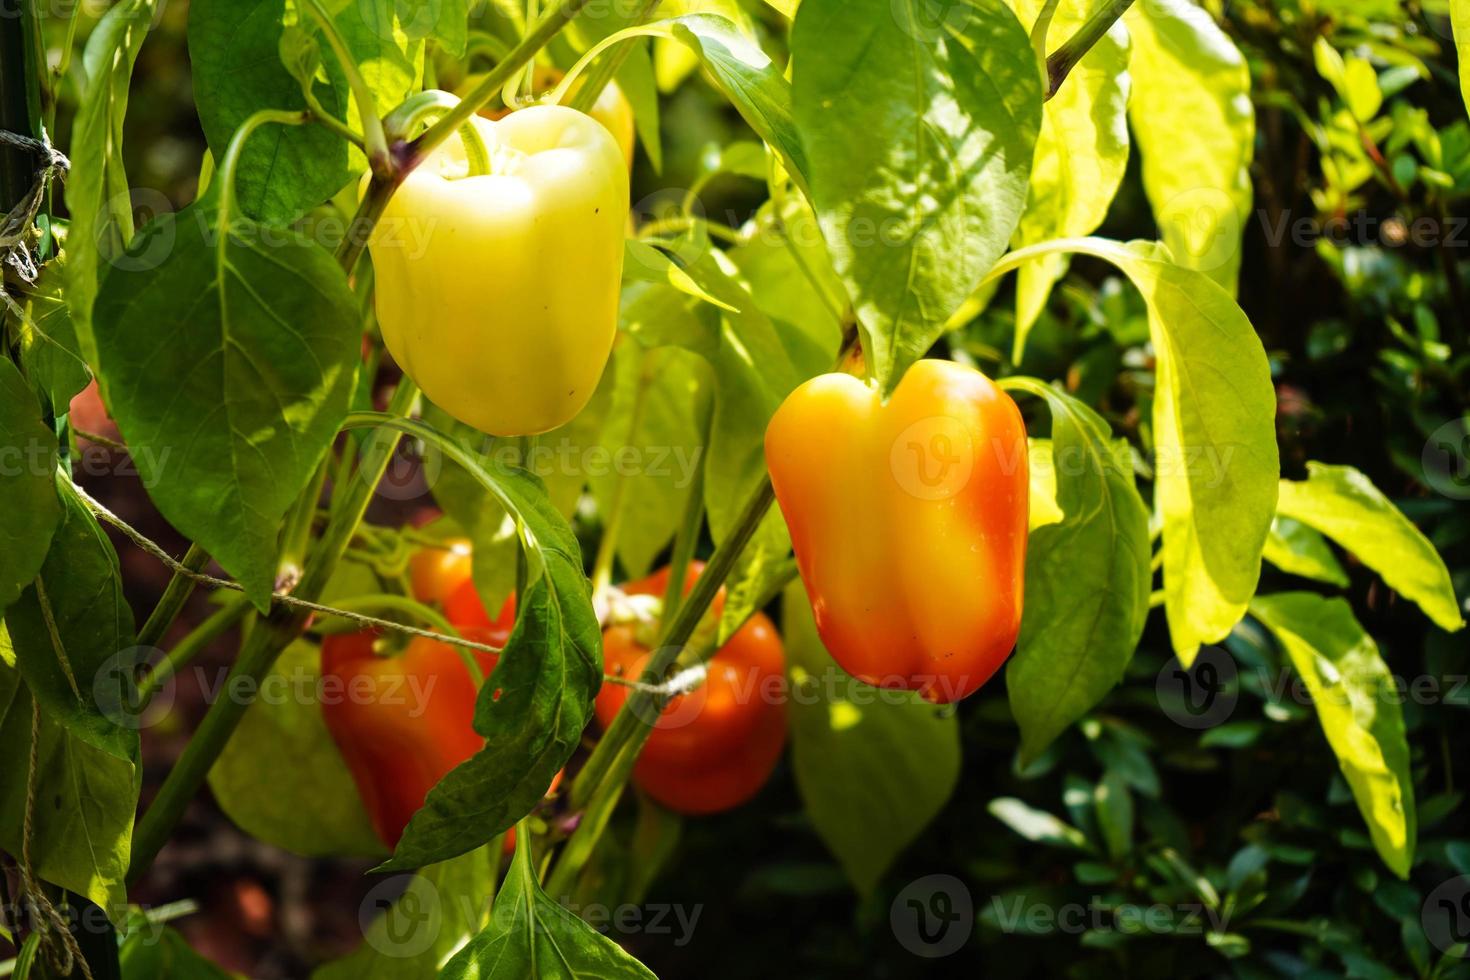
column 709, row 503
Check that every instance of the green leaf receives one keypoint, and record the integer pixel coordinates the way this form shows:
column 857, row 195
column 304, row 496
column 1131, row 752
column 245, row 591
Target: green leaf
column 1081, row 155
column 1293, row 547
column 1344, row 504
column 644, row 263
column 158, row 952
column 1087, row 578
column 50, row 354
column 1037, row 825
column 1216, row 464
column 1354, row 79
column 1114, row 813
column 85, row 799
column 31, row 511
column 750, row 80
column 531, row 935
column 532, row 709
column 441, row 908
column 873, row 767
column 235, row 51
column 649, row 472
column 72, row 631
column 563, row 458
column 97, row 184
column 234, row 48
column 789, row 273
column 310, row 807
column 258, row 343
column 1042, row 509
column 1357, row 701
column 1192, row 116
column 919, row 138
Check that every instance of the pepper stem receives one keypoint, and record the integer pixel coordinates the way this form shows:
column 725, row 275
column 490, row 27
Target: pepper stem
column 427, row 108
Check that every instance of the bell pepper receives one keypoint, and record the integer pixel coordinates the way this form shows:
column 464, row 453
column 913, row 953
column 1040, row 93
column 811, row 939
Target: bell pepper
column 401, row 721
column 497, row 293
column 612, row 107
column 435, row 573
column 908, row 520
column 715, row 747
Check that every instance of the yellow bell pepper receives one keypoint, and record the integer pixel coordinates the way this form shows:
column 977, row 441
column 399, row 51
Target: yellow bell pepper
column 498, row 293
column 612, row 107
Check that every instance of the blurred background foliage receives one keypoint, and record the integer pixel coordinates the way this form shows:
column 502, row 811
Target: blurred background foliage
column 1354, row 273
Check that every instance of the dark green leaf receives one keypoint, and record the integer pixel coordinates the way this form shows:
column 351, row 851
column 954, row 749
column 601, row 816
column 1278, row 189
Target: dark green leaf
column 310, row 807
column 50, row 353
column 96, row 159
column 73, row 632
column 30, row 512
column 1087, row 578
column 229, row 373
column 85, row 799
column 530, row 935
column 919, row 133
column 873, row 767
column 440, row 909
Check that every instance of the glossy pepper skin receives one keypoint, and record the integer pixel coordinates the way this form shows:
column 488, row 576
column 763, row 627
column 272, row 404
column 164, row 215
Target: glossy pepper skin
column 435, row 573
column 402, row 722
column 498, row 293
column 612, row 107
column 908, row 521
column 714, row 748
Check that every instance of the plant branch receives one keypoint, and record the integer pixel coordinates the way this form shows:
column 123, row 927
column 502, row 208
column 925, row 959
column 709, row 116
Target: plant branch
column 536, row 38
column 174, row 596
column 375, row 142
column 635, row 720
column 1061, row 61
column 263, row 646
column 218, row 623
column 598, row 78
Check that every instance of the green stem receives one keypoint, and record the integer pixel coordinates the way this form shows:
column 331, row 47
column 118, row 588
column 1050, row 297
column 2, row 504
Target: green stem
column 635, row 720
column 375, row 141
column 1061, row 61
column 687, row 537
column 172, row 601
column 320, row 115
column 19, row 94
column 183, row 652
column 263, row 646
column 580, row 847
column 296, row 537
column 598, row 78
column 1039, row 31
column 225, row 173
column 422, row 109
column 681, row 224
column 555, row 19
